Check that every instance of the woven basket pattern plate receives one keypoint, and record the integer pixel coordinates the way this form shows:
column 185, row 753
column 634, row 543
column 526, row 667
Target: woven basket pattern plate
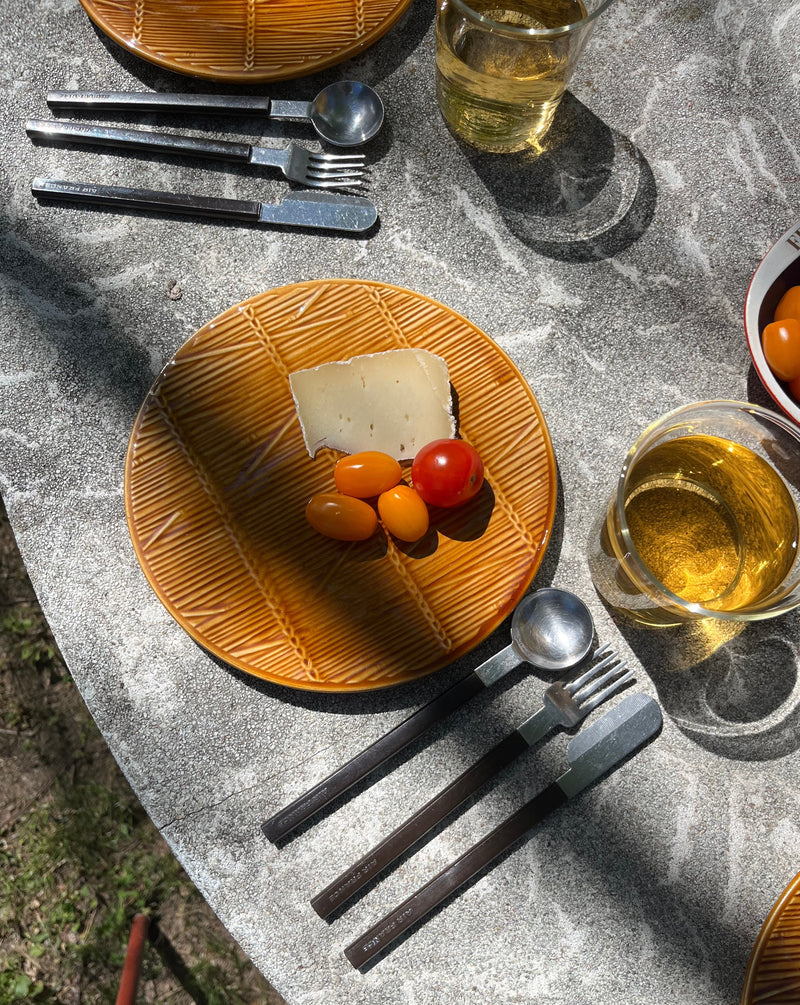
column 773, row 975
column 245, row 40
column 217, row 478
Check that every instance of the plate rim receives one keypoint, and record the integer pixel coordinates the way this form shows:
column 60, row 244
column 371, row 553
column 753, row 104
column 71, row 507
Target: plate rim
column 489, row 626
column 764, row 936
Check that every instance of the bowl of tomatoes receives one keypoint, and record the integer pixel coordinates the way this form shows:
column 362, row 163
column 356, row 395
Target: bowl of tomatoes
column 772, row 322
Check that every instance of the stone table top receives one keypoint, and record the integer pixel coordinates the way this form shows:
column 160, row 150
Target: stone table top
column 612, row 269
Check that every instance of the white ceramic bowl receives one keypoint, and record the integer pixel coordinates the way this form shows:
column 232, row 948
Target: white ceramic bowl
column 778, row 270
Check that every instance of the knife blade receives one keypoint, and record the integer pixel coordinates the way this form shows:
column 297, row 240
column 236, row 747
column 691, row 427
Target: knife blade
column 591, row 754
column 317, row 210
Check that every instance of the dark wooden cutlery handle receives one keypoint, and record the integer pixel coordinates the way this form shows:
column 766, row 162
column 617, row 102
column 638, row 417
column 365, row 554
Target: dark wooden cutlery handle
column 287, row 819
column 416, row 826
column 398, row 921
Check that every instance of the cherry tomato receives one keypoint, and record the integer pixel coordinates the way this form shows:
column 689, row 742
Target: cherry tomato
column 404, row 513
column 447, row 472
column 781, row 342
column 788, row 305
column 794, row 388
column 366, row 474
column 341, row 517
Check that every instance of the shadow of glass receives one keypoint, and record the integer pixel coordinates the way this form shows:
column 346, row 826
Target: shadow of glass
column 587, row 194
column 731, row 688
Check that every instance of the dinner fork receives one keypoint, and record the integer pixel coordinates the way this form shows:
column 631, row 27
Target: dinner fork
column 315, row 170
column 565, row 703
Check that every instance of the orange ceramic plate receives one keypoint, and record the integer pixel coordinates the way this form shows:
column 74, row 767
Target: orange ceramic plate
column 217, row 477
column 245, row 40
column 773, row 975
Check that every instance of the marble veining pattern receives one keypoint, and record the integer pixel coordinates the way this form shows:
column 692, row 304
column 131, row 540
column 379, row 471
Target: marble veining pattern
column 613, row 271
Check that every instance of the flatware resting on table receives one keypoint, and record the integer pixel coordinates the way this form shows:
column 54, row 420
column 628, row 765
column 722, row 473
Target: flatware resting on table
column 316, row 170
column 565, row 703
column 315, row 209
column 346, row 113
column 551, row 629
column 591, row 754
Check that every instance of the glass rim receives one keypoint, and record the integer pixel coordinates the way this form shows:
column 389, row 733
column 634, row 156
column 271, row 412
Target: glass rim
column 642, row 569
column 564, row 29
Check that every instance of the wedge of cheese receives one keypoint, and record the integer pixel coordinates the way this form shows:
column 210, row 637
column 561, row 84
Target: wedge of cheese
column 395, row 401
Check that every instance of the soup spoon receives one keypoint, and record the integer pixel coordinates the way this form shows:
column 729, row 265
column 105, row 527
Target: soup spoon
column 551, row 629
column 345, row 113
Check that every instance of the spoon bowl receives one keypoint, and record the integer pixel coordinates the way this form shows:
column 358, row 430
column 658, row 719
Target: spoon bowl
column 347, row 113
column 552, row 629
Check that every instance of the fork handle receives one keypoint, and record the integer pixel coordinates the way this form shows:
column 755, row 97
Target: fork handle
column 159, row 101
column 416, row 826
column 287, row 819
column 414, row 908
column 137, row 139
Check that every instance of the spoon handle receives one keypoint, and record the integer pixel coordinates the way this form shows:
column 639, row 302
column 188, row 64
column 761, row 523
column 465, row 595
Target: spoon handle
column 287, row 819
column 159, row 101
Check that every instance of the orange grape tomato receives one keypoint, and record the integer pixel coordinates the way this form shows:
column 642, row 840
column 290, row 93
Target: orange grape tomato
column 781, row 342
column 794, row 388
column 788, row 305
column 366, row 474
column 341, row 517
column 404, row 513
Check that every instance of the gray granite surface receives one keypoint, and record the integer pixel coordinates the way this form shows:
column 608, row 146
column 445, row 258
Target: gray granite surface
column 613, row 271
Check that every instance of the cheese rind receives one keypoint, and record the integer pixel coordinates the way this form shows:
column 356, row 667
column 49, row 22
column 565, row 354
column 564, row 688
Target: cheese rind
column 394, row 401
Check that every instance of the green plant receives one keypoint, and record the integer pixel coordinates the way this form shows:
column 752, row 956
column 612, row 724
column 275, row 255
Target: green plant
column 78, row 854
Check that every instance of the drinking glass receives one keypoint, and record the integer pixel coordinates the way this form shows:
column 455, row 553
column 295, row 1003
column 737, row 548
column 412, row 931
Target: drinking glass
column 703, row 522
column 503, row 65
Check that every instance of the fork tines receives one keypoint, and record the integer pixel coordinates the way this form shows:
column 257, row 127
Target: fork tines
column 336, row 170
column 590, row 690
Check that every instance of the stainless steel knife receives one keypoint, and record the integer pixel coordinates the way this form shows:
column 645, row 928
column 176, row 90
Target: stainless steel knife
column 317, row 210
column 591, row 754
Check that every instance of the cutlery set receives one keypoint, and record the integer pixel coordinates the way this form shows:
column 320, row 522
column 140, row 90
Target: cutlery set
column 557, row 620
column 344, row 114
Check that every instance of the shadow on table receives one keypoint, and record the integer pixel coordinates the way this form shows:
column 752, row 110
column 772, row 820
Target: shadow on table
column 412, row 695
column 731, row 688
column 587, row 195
column 408, row 695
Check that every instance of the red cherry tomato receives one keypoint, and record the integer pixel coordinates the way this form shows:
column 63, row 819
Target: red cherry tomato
column 447, row 472
column 366, row 474
column 341, row 517
column 404, row 513
column 781, row 342
column 788, row 305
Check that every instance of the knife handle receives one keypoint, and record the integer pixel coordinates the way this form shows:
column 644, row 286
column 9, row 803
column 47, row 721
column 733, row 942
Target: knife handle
column 159, row 101
column 139, row 198
column 416, row 826
column 454, row 875
column 279, row 825
column 137, row 139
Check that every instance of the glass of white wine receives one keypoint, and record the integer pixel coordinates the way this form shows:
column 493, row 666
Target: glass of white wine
column 704, row 522
column 503, row 65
